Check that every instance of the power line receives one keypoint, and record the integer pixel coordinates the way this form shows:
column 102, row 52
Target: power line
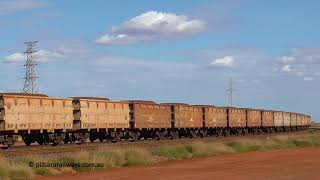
column 30, row 83
column 231, row 90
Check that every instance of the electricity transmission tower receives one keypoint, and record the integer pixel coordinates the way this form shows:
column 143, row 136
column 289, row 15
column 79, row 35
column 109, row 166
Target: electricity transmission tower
column 30, row 83
column 231, row 90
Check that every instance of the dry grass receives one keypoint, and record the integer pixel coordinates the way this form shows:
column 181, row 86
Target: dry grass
column 18, row 168
column 14, row 170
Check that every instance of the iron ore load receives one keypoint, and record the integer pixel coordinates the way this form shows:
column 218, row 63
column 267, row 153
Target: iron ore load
column 47, row 120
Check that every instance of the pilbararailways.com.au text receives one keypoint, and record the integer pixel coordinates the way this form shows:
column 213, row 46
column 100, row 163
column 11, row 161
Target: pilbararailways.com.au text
column 62, row 164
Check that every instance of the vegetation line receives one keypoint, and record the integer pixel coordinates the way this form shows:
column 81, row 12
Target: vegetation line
column 26, row 167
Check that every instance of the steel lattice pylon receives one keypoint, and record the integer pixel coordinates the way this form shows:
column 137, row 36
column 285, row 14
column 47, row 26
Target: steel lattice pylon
column 30, row 83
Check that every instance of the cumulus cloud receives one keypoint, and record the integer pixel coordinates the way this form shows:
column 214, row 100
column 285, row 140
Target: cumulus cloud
column 286, row 68
column 151, row 26
column 46, row 55
column 306, row 55
column 10, row 6
column 226, row 61
column 305, row 60
column 41, row 56
column 15, row 57
column 286, row 59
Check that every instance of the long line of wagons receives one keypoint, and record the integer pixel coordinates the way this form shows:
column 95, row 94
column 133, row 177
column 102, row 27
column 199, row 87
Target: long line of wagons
column 47, row 120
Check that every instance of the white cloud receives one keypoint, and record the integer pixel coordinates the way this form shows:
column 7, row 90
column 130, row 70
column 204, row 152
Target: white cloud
column 286, row 59
column 150, row 26
column 310, row 55
column 41, row 56
column 9, row 6
column 119, row 39
column 46, row 55
column 15, row 57
column 226, row 61
column 286, row 68
column 305, row 60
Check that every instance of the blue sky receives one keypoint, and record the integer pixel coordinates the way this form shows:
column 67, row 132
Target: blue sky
column 168, row 51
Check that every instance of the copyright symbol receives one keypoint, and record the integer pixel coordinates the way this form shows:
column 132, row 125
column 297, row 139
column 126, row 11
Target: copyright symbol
column 31, row 164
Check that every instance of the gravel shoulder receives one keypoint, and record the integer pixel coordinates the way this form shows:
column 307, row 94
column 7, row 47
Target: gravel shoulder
column 300, row 163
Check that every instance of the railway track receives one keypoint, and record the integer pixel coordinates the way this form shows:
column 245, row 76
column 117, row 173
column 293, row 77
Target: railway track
column 70, row 148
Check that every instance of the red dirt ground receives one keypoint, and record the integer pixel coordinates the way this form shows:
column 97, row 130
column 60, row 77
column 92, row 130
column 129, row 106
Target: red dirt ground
column 297, row 164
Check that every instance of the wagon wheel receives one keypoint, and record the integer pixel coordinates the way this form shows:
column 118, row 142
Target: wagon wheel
column 40, row 141
column 92, row 139
column 27, row 142
column 113, row 140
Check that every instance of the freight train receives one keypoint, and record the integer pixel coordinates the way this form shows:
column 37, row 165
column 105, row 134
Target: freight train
column 46, row 120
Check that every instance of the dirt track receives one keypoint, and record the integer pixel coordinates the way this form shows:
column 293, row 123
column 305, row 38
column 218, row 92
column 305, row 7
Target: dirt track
column 283, row 164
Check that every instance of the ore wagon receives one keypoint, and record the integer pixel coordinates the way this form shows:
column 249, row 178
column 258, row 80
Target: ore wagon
column 187, row 119
column 299, row 120
column 293, row 120
column 149, row 120
column 309, row 120
column 278, row 119
column 286, row 120
column 35, row 117
column 237, row 117
column 237, row 120
column 305, row 120
column 253, row 118
column 267, row 118
column 99, row 118
column 214, row 119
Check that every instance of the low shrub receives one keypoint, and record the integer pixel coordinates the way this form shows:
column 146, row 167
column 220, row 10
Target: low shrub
column 137, row 157
column 173, row 152
column 18, row 168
